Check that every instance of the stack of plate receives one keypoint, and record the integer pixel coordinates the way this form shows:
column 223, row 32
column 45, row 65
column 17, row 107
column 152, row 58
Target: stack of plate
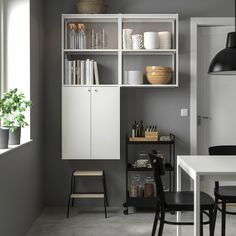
column 158, row 74
column 165, row 40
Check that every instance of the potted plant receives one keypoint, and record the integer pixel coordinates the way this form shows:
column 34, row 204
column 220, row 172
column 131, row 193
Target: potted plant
column 12, row 107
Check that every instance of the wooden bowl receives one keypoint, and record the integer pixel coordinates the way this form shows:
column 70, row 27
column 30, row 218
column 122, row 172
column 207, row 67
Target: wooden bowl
column 157, row 78
column 150, row 69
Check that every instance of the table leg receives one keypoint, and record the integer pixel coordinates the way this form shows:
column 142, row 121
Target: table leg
column 197, row 205
column 178, row 189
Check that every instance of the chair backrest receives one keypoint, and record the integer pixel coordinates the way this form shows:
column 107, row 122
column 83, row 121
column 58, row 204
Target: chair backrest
column 222, row 150
column 158, row 171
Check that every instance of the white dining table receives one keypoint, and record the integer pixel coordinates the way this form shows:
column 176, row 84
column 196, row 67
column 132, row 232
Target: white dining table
column 196, row 166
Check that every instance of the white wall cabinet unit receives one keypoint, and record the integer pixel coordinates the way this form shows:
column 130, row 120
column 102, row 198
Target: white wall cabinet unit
column 90, row 123
column 105, row 123
column 76, row 120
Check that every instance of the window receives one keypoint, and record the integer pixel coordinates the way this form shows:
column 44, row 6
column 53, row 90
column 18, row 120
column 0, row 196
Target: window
column 15, row 49
column 1, row 47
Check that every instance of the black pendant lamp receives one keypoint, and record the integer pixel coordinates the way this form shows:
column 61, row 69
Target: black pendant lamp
column 224, row 63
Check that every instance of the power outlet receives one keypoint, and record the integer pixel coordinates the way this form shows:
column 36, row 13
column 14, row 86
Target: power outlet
column 184, row 112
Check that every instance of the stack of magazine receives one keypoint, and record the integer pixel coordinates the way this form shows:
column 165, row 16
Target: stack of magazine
column 81, row 72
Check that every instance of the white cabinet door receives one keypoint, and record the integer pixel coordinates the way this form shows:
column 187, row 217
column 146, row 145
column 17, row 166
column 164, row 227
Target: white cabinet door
column 105, row 119
column 76, row 104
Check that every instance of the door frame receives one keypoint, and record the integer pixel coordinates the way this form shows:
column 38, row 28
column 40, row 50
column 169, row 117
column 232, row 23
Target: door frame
column 195, row 23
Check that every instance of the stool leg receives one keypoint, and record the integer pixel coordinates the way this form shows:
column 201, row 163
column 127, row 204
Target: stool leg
column 68, row 208
column 105, row 207
column 73, row 190
column 105, row 188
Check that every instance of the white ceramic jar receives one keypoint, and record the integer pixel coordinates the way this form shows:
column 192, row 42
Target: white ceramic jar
column 151, row 40
column 134, row 77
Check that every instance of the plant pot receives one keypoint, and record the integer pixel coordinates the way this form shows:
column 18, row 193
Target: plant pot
column 14, row 137
column 4, row 136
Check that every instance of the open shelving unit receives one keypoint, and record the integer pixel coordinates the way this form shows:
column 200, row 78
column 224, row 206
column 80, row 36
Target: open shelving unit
column 85, row 101
column 113, row 58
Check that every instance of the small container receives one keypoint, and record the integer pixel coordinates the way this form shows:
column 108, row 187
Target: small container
column 143, row 159
column 72, row 36
column 149, row 187
column 135, row 186
column 134, row 77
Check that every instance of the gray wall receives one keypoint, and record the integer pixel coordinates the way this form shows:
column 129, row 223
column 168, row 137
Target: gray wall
column 21, row 170
column 161, row 106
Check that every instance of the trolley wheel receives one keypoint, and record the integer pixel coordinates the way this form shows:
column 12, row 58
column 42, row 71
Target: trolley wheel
column 172, row 212
column 126, row 212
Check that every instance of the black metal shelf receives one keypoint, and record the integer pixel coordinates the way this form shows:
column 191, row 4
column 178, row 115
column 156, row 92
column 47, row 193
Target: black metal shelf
column 169, row 167
column 151, row 142
column 172, row 141
column 140, row 202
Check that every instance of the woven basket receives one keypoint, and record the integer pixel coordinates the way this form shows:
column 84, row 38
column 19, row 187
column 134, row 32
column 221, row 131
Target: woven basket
column 91, row 7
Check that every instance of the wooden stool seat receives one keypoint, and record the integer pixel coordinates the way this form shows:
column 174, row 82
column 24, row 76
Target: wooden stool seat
column 88, row 173
column 87, row 195
column 77, row 174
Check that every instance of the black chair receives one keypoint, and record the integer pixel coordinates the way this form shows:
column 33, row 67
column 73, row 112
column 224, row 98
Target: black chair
column 177, row 201
column 223, row 194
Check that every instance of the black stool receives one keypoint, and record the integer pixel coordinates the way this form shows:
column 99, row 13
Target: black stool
column 94, row 195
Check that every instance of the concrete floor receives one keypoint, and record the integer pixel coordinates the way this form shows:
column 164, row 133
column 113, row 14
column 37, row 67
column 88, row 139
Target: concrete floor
column 87, row 222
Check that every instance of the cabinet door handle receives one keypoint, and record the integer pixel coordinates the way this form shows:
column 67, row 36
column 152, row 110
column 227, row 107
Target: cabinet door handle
column 89, row 90
column 95, row 90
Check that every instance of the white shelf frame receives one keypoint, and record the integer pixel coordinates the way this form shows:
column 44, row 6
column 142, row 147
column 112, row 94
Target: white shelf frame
column 119, row 19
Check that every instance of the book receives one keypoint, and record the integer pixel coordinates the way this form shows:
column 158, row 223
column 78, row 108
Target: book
column 74, row 73
column 78, row 70
column 95, row 66
column 87, row 76
column 69, row 72
column 82, row 79
column 91, row 72
column 66, row 72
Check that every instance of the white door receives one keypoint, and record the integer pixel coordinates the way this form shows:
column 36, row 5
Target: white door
column 76, row 122
column 105, row 129
column 216, row 94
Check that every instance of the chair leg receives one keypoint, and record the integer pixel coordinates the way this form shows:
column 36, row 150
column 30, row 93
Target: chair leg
column 212, row 223
column 155, row 222
column 223, row 218
column 215, row 211
column 162, row 219
column 201, row 223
